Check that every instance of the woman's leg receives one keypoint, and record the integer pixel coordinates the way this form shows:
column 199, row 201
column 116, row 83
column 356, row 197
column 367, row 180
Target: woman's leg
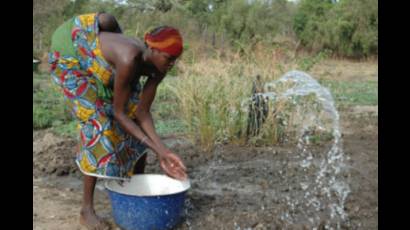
column 88, row 216
column 139, row 167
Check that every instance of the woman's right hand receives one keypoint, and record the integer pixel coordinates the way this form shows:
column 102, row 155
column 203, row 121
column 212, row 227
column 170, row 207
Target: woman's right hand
column 172, row 165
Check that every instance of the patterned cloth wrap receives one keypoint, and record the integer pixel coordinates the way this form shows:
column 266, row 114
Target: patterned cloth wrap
column 86, row 80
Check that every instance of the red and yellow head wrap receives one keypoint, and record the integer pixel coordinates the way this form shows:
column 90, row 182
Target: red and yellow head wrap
column 165, row 39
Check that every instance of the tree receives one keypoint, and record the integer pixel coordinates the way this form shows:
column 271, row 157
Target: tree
column 47, row 15
column 347, row 27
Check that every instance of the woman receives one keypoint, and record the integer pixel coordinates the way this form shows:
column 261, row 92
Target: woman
column 99, row 70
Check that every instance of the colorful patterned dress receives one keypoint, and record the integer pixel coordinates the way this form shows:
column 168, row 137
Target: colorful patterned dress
column 86, row 80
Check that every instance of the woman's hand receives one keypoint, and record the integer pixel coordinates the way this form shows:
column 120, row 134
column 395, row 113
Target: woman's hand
column 172, row 165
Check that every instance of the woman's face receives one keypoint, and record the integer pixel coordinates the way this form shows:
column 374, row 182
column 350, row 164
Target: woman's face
column 163, row 61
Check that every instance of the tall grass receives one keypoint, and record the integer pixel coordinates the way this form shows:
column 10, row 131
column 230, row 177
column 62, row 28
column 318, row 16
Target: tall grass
column 213, row 90
column 213, row 93
column 206, row 97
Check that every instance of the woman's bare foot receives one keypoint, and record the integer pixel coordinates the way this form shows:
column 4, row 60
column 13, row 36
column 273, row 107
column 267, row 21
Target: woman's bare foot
column 89, row 219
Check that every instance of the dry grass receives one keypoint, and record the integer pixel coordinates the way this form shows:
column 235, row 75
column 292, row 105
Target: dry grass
column 208, row 99
column 213, row 89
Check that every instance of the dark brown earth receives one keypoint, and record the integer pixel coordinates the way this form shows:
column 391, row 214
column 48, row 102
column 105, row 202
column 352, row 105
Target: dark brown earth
column 232, row 189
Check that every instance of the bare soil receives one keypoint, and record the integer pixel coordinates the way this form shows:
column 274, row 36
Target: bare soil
column 235, row 190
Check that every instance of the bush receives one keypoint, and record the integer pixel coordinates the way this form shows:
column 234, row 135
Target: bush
column 347, row 27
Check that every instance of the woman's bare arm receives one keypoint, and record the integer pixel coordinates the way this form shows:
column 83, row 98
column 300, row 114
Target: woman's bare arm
column 125, row 70
column 169, row 161
column 143, row 113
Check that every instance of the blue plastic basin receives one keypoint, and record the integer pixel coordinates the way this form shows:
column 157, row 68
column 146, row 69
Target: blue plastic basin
column 147, row 201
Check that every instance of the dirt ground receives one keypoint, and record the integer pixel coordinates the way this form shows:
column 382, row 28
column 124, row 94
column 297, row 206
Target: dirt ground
column 234, row 189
